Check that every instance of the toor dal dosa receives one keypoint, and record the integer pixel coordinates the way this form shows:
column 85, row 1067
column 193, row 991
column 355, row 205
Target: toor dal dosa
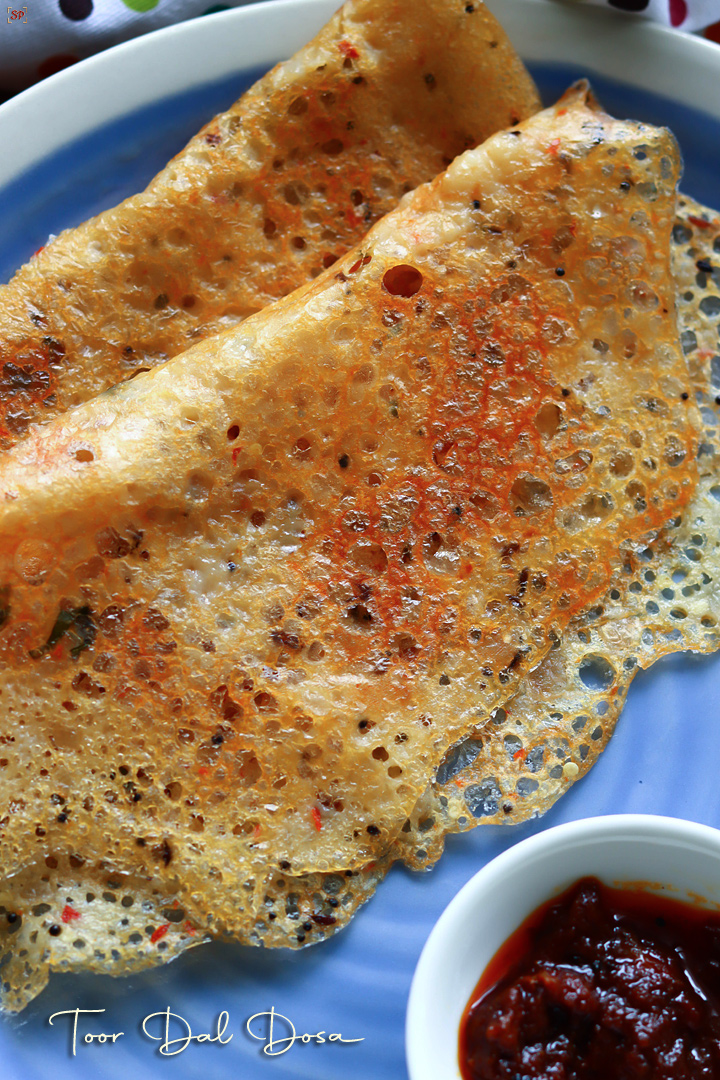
column 364, row 593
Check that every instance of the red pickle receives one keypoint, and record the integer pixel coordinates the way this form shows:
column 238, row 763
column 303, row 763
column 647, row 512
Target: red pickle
column 599, row 983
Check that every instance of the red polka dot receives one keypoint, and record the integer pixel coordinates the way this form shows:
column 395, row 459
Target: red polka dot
column 713, row 32
column 56, row 63
column 678, row 12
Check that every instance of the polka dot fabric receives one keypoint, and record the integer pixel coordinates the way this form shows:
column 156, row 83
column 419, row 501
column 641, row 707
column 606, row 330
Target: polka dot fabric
column 680, row 14
column 58, row 33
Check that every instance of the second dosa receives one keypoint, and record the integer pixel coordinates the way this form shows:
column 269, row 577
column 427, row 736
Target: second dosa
column 264, row 198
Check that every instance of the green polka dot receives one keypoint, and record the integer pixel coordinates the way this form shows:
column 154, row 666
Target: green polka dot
column 215, row 8
column 141, row 5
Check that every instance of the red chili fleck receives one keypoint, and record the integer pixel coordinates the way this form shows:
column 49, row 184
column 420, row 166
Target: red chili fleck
column 159, row 932
column 553, row 147
column 235, row 453
column 699, row 222
column 41, row 248
column 202, row 771
column 189, row 928
column 57, row 652
column 348, row 50
column 362, row 261
column 69, row 914
column 324, row 920
column 520, row 755
column 317, row 820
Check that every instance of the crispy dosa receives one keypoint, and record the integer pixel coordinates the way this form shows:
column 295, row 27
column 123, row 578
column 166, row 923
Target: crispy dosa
column 252, row 597
column 665, row 600
column 264, row 198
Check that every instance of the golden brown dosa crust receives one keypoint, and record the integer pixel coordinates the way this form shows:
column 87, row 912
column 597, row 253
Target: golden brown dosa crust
column 263, row 198
column 252, row 597
column 549, row 734
column 666, row 600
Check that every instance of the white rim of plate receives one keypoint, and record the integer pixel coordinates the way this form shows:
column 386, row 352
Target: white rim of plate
column 147, row 69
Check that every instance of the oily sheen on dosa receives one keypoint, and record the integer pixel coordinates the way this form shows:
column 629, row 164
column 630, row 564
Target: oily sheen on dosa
column 264, row 198
column 252, row 597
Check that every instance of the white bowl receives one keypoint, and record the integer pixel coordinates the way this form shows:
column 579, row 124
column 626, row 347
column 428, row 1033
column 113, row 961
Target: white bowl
column 678, row 859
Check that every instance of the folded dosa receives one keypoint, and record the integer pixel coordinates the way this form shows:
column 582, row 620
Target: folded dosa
column 252, row 597
column 264, row 198
column 665, row 600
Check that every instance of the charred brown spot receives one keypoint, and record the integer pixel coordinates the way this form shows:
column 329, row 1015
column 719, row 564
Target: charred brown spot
column 265, row 702
column 155, row 620
column 111, row 619
column 332, row 147
column 360, row 615
column 84, row 684
column 324, row 920
column 289, row 641
column 163, row 853
column 27, row 379
column 111, row 545
column 222, row 702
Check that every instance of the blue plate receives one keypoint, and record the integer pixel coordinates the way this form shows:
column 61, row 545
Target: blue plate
column 661, row 760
